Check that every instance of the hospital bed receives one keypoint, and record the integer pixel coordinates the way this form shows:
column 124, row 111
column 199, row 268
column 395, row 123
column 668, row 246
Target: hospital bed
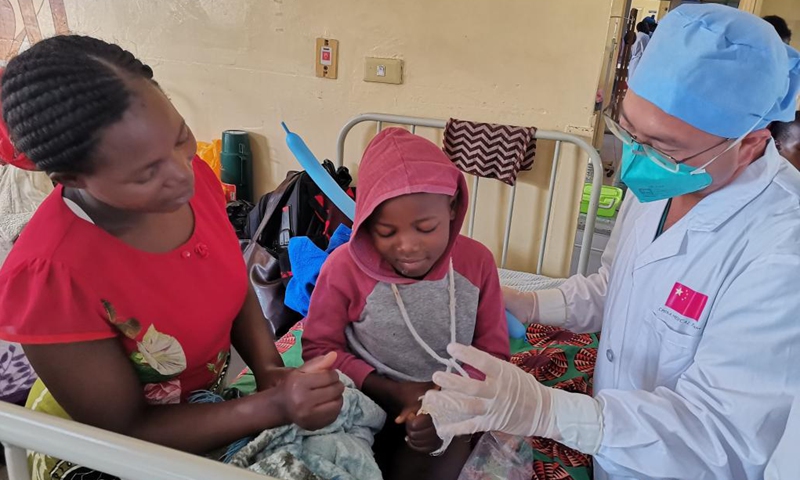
column 524, row 281
column 132, row 459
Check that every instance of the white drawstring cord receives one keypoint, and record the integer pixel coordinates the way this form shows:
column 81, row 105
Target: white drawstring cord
column 449, row 363
column 452, row 291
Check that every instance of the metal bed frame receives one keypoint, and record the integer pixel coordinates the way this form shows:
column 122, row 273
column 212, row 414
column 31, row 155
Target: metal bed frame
column 558, row 137
column 125, row 457
column 132, row 459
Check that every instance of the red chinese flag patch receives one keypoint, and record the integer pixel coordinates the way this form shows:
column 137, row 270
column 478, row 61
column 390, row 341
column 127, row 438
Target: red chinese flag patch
column 687, row 302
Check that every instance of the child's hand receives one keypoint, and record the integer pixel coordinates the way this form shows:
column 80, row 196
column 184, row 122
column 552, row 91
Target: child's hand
column 421, row 434
column 311, row 396
column 409, row 399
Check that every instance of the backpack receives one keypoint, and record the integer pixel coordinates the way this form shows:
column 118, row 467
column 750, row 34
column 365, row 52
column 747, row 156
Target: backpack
column 296, row 208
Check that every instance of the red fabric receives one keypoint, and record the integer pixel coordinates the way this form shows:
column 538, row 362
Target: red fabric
column 399, row 163
column 66, row 280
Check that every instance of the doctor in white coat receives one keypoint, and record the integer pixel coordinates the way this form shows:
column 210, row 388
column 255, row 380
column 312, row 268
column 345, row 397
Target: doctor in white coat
column 697, row 297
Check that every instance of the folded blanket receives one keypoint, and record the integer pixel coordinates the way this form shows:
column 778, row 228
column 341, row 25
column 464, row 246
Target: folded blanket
column 490, row 150
column 341, row 451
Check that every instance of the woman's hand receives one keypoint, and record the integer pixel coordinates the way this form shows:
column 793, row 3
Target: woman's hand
column 272, row 377
column 311, row 396
column 65, row 367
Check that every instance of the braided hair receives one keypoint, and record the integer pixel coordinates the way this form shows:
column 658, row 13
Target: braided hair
column 59, row 95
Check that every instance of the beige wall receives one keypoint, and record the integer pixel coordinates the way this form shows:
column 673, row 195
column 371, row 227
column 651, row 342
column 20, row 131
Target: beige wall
column 789, row 10
column 249, row 64
column 646, row 8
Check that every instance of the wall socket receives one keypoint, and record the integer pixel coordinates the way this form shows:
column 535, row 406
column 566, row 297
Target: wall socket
column 383, row 70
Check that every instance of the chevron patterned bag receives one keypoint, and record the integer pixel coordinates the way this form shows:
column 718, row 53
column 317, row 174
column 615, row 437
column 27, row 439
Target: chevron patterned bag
column 490, row 150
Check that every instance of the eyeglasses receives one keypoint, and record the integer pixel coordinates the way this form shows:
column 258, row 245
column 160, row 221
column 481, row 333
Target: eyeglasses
column 655, row 155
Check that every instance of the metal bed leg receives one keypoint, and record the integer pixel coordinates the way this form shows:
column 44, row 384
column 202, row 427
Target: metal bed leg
column 473, row 205
column 549, row 209
column 507, row 235
column 414, row 129
column 380, row 127
column 17, row 463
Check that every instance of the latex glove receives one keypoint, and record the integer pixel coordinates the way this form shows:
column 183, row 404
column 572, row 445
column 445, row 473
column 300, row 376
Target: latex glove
column 512, row 401
column 523, row 305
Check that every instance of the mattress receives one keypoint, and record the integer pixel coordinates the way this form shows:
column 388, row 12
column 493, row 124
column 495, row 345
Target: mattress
column 527, row 282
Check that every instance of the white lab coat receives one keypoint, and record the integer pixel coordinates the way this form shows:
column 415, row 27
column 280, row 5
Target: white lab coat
column 705, row 399
column 785, row 462
column 637, row 50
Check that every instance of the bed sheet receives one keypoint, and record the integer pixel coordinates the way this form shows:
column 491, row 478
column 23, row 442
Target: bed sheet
column 527, row 282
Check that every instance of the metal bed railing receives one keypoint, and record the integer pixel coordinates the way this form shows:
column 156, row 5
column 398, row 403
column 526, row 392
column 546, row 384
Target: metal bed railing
column 557, row 137
column 125, row 457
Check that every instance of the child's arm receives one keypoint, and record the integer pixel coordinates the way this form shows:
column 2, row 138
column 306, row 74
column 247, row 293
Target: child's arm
column 335, row 303
column 402, row 401
column 491, row 329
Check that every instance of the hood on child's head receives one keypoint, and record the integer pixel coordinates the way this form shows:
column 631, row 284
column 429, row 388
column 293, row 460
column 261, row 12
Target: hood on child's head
column 398, row 163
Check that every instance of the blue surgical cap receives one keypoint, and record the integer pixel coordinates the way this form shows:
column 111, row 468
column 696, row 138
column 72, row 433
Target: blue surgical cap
column 719, row 69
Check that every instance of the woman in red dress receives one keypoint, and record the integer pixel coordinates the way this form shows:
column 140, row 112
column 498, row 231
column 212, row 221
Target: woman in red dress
column 127, row 288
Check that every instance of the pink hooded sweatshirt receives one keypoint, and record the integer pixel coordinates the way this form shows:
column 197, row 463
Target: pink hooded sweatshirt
column 353, row 309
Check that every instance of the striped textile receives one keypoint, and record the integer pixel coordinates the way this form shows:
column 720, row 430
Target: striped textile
column 490, row 150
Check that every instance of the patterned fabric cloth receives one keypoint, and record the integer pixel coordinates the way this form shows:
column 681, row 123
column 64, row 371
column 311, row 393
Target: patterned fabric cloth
column 563, row 360
column 16, row 374
column 490, row 150
column 558, row 359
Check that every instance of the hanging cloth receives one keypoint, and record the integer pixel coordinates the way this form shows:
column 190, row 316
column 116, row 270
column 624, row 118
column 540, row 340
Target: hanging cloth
column 489, row 150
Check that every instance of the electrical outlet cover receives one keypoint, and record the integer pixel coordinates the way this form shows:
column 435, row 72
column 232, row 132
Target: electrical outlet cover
column 383, row 70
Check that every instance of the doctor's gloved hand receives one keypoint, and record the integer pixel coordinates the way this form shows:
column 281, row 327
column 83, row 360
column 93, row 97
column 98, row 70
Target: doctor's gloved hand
column 512, row 401
column 522, row 305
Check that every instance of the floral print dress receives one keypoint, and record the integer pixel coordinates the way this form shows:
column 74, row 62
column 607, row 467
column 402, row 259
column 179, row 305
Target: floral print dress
column 69, row 281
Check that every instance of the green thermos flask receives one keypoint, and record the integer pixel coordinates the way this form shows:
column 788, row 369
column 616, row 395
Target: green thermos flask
column 237, row 163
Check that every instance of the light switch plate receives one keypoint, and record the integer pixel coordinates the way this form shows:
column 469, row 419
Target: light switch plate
column 327, row 58
column 383, row 70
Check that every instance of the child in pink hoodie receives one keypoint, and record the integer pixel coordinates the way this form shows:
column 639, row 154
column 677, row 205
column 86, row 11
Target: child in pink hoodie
column 408, row 284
